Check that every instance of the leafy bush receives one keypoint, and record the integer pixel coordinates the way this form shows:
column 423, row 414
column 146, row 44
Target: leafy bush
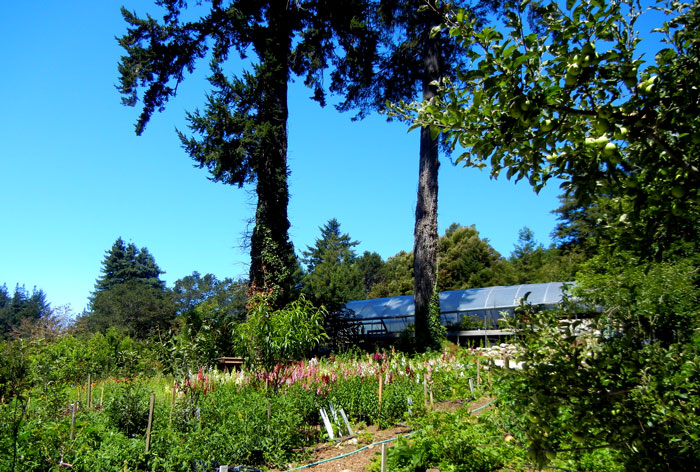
column 127, row 409
column 629, row 381
column 452, row 442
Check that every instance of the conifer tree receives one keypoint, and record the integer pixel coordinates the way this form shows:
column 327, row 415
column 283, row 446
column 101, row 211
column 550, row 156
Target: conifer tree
column 415, row 56
column 21, row 306
column 124, row 263
column 129, row 294
column 241, row 134
column 332, row 277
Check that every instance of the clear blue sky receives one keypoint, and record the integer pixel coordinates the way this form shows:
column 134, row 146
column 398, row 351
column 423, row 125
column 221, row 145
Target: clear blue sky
column 74, row 177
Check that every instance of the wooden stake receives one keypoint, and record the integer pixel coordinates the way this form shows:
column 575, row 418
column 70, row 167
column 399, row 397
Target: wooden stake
column 381, row 388
column 431, row 398
column 425, row 391
column 172, row 405
column 88, row 392
column 80, row 394
column 478, row 371
column 102, row 394
column 150, row 422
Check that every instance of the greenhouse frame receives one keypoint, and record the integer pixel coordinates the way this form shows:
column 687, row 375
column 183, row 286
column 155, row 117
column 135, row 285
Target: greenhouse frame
column 388, row 317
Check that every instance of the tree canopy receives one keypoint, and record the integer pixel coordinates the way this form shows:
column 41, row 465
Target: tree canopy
column 19, row 307
column 332, row 277
column 241, row 134
column 129, row 294
column 568, row 96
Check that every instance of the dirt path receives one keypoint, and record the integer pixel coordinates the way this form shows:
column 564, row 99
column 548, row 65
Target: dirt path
column 342, row 457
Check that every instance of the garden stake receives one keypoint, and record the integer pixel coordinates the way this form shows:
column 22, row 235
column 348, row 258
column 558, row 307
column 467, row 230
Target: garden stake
column 172, row 405
column 478, row 371
column 425, row 391
column 489, row 373
column 381, row 386
column 384, row 457
column 80, row 394
column 72, row 421
column 102, row 394
column 431, row 398
column 150, row 422
column 88, row 392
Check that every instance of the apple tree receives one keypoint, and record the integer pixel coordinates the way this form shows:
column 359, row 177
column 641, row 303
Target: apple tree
column 571, row 91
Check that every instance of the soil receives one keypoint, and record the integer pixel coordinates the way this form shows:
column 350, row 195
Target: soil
column 366, row 447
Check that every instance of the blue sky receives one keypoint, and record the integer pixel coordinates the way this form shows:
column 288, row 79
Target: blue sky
column 74, row 177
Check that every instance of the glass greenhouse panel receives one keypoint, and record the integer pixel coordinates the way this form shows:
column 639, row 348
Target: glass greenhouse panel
column 484, row 305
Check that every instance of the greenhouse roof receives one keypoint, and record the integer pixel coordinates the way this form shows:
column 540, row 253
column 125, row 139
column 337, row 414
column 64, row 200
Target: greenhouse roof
column 473, row 300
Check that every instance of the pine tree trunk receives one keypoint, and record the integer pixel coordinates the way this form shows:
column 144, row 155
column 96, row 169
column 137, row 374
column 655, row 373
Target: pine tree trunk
column 425, row 233
column 271, row 251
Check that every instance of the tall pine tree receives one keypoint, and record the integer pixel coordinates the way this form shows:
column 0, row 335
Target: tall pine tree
column 415, row 56
column 124, row 263
column 241, row 134
column 333, row 277
column 129, row 294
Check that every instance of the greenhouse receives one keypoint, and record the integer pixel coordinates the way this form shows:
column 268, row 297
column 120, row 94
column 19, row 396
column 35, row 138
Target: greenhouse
column 481, row 306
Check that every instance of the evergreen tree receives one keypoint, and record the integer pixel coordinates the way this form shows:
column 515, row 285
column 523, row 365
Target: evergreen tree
column 129, row 294
column 370, row 265
column 124, row 262
column 241, row 135
column 141, row 310
column 415, row 55
column 20, row 307
column 332, row 277
column 528, row 257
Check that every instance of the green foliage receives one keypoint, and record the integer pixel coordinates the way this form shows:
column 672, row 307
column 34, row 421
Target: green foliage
column 466, row 261
column 142, row 311
column 127, row 409
column 395, row 277
column 629, row 380
column 124, row 263
column 193, row 290
column 271, row 337
column 14, row 370
column 20, row 307
column 370, row 265
column 567, row 97
column 332, row 278
column 453, row 442
column 129, row 294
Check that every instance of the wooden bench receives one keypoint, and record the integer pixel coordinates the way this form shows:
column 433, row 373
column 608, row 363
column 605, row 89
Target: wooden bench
column 234, row 363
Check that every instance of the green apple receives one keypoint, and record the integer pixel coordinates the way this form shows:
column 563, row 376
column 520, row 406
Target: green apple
column 621, row 132
column 574, row 69
column 588, row 49
column 610, row 149
column 678, row 191
column 547, row 125
column 601, row 125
